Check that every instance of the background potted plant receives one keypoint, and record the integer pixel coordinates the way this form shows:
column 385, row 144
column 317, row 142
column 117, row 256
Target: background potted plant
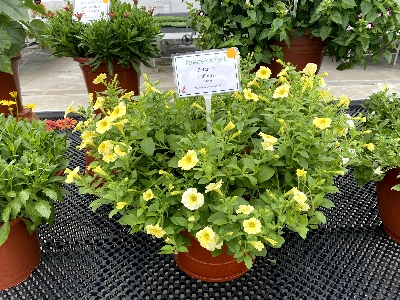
column 115, row 44
column 379, row 158
column 351, row 30
column 14, row 27
column 271, row 157
column 31, row 155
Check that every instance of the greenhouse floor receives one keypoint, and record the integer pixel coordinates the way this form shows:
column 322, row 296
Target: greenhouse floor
column 86, row 255
column 53, row 84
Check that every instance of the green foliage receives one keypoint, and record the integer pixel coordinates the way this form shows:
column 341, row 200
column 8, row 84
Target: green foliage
column 14, row 25
column 128, row 35
column 30, row 156
column 264, row 168
column 380, row 143
column 173, row 21
column 352, row 30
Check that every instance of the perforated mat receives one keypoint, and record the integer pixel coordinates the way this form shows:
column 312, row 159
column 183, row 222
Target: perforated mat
column 86, row 255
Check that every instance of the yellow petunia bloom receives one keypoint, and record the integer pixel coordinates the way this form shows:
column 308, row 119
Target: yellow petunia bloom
column 281, row 91
column 263, row 73
column 100, row 78
column 128, row 96
column 253, row 82
column 188, row 161
column 148, row 195
column 301, row 199
column 192, row 199
column 120, row 123
column 203, row 151
column 283, row 72
column 71, row 174
column 155, row 230
column 344, row 101
column 90, row 98
column 301, row 173
column 237, row 133
column 258, row 245
column 119, row 151
column 194, row 104
column 269, row 141
column 70, row 109
column 99, row 103
column 370, row 146
column 104, row 124
column 121, row 205
column 249, row 95
column 87, row 138
column 118, row 112
column 310, row 69
column 110, row 157
column 100, row 171
column 214, row 187
column 322, row 123
column 228, row 127
column 105, row 147
column 245, row 209
column 271, row 241
column 208, row 239
column 191, row 219
column 252, row 226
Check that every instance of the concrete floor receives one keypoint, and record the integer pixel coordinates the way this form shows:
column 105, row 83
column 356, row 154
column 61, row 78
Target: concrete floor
column 52, row 84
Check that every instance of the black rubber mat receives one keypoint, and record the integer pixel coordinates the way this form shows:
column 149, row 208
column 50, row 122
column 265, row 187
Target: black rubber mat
column 86, row 255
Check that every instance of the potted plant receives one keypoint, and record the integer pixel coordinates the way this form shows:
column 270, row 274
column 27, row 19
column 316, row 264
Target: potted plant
column 31, row 157
column 14, row 27
column 115, row 44
column 379, row 158
column 350, row 30
column 273, row 152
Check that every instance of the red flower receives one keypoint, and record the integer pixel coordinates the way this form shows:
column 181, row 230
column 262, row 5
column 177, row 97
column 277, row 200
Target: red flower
column 51, row 125
column 65, row 123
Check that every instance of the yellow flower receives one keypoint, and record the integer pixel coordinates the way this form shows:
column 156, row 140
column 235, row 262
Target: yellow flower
column 104, row 125
column 344, row 101
column 119, row 151
column 111, row 157
column 8, row 102
column 148, row 195
column 322, row 123
column 214, row 187
column 191, row 219
column 121, row 205
column 249, row 95
column 253, row 82
column 13, row 94
column 120, row 123
column 194, row 104
column 87, row 138
column 284, row 71
column 188, row 161
column 118, row 112
column 150, row 88
column 263, row 73
column 71, row 174
column 78, row 126
column 100, row 78
column 235, row 134
column 30, row 106
column 269, row 141
column 281, row 91
column 252, row 226
column 70, row 109
column 301, row 173
column 155, row 230
column 100, row 171
column 258, row 245
column 128, row 96
column 271, row 241
column 301, row 199
column 310, row 69
column 175, row 193
column 162, row 172
column 105, row 147
column 370, row 146
column 208, row 239
column 99, row 103
column 245, row 209
column 203, row 151
column 228, row 127
column 191, row 199
column 90, row 98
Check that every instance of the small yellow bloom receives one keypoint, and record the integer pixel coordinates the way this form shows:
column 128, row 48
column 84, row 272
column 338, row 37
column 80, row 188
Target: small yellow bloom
column 263, row 73
column 30, row 106
column 252, row 226
column 191, row 219
column 99, row 103
column 100, row 78
column 121, row 205
column 269, row 141
column 70, row 109
column 88, row 137
column 310, row 69
column 258, row 245
column 128, row 96
column 91, row 98
column 8, row 102
column 71, row 174
column 245, row 209
column 203, row 151
column 118, row 112
column 104, row 124
column 148, row 195
column 281, row 91
column 228, row 127
column 13, row 94
column 120, row 123
column 271, row 241
column 176, row 193
column 237, row 133
column 188, row 161
column 370, row 146
column 162, row 172
column 253, row 82
column 208, row 239
column 191, row 199
column 119, row 151
column 105, row 147
column 194, row 104
column 100, row 171
column 322, row 123
column 155, row 230
column 344, row 101
column 283, row 72
column 111, row 157
column 214, row 187
column 249, row 95
column 301, row 173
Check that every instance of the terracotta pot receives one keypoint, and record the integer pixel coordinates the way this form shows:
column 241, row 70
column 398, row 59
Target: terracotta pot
column 128, row 78
column 10, row 83
column 303, row 50
column 199, row 263
column 19, row 255
column 389, row 203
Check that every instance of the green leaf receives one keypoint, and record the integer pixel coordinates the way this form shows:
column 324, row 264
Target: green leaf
column 302, row 231
column 16, row 10
column 160, row 136
column 50, row 193
column 396, row 187
column 179, row 221
column 320, row 217
column 248, row 261
column 4, row 232
column 43, row 208
column 264, row 173
column 218, row 218
column 148, row 146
